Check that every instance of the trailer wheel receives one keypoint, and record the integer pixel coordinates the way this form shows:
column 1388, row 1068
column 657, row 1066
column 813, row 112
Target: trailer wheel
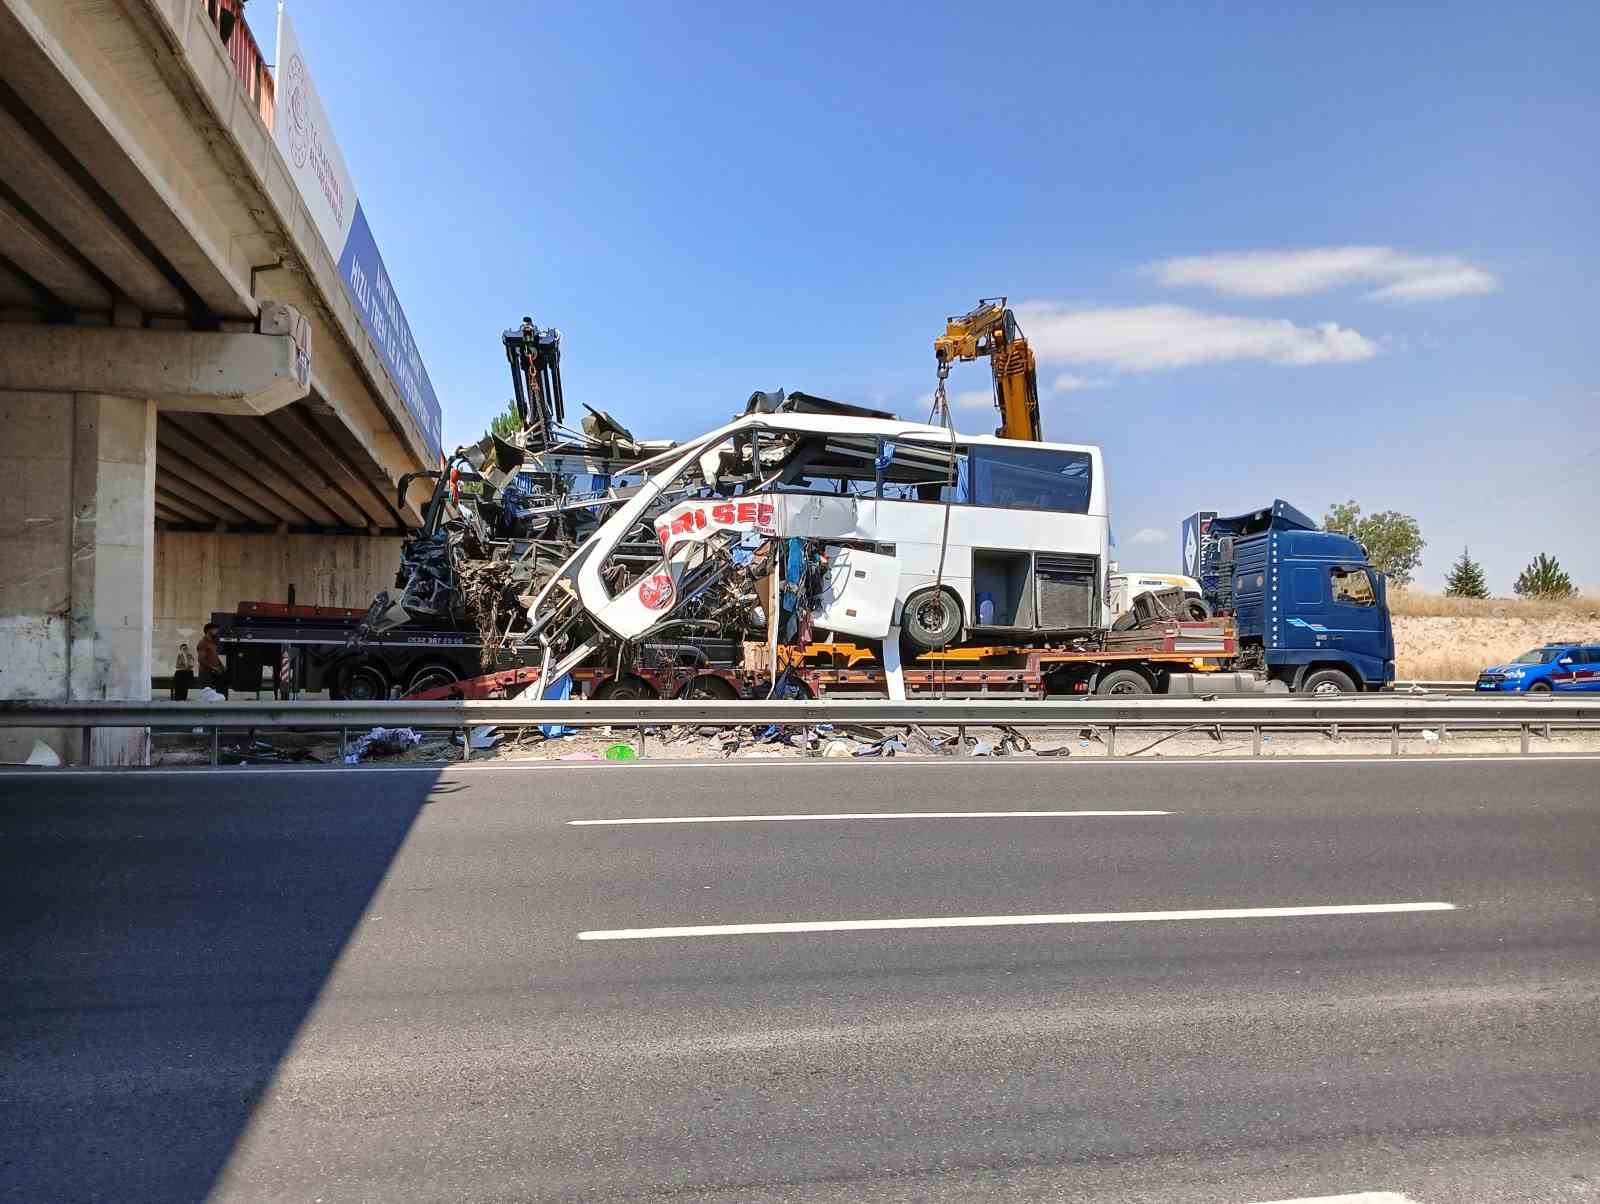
column 932, row 620
column 430, row 677
column 1124, row 682
column 362, row 682
column 1196, row 610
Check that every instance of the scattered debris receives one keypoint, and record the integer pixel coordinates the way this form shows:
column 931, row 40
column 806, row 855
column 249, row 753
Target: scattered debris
column 381, row 742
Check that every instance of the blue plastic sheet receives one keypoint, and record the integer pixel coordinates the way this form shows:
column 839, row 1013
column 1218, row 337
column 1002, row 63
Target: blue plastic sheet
column 559, row 691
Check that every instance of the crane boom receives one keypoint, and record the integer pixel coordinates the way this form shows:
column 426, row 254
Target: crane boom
column 991, row 330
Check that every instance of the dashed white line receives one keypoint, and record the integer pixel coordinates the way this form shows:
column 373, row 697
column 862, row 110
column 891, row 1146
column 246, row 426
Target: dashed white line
column 761, row 819
column 1081, row 917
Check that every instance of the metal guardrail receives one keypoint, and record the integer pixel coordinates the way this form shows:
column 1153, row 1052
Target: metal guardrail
column 1257, row 715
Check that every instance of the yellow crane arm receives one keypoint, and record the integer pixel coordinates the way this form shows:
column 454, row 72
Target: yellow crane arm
column 991, row 330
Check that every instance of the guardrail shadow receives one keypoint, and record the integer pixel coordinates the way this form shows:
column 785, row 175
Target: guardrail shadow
column 162, row 940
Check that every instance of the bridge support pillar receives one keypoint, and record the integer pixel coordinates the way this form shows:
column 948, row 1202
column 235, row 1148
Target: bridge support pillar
column 77, row 561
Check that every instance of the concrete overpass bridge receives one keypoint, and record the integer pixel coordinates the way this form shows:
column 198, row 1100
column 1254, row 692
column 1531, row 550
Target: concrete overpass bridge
column 194, row 408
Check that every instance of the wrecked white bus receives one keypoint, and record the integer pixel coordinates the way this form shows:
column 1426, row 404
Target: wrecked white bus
column 919, row 534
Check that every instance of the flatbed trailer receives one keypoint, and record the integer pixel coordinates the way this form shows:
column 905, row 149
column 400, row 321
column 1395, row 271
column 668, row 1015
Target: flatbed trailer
column 313, row 648
column 1170, row 657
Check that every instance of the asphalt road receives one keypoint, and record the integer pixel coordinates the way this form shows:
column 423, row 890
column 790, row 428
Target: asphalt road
column 370, row 985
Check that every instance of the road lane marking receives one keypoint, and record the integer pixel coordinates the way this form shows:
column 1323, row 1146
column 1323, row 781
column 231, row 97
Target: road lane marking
column 1081, row 917
column 905, row 763
column 1360, row 1197
column 755, row 819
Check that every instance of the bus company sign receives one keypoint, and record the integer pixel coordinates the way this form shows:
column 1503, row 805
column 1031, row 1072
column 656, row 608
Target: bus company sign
column 697, row 521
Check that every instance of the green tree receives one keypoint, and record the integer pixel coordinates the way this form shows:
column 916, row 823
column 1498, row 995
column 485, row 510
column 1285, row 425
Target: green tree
column 1393, row 540
column 1466, row 578
column 1544, row 578
column 506, row 423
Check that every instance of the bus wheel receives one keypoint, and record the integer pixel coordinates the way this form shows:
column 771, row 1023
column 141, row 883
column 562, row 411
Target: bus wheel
column 932, row 620
column 363, row 682
column 1123, row 682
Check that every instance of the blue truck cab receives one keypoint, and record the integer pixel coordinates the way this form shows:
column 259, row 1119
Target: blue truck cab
column 1311, row 609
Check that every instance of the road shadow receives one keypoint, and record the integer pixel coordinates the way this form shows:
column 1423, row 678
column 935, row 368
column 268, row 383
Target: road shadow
column 163, row 937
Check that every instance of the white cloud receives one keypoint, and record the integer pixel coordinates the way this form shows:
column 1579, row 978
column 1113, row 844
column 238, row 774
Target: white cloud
column 1068, row 383
column 1149, row 535
column 970, row 399
column 1315, row 269
column 1142, row 338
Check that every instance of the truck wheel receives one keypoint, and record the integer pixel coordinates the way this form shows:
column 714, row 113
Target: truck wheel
column 1124, row 682
column 625, row 689
column 1196, row 610
column 430, row 677
column 932, row 620
column 710, row 687
column 1325, row 682
column 363, row 683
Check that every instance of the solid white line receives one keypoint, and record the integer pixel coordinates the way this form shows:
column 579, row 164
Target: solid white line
column 1360, row 1197
column 755, row 819
column 1081, row 917
column 906, row 763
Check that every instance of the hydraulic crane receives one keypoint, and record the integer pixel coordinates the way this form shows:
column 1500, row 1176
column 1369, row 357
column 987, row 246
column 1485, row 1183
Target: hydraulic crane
column 535, row 359
column 992, row 330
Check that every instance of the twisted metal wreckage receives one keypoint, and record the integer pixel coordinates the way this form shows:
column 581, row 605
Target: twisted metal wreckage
column 802, row 529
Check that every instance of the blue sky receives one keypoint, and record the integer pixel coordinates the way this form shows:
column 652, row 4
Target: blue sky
column 1260, row 253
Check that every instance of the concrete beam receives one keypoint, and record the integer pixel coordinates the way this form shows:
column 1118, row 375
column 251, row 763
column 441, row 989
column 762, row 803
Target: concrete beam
column 250, row 374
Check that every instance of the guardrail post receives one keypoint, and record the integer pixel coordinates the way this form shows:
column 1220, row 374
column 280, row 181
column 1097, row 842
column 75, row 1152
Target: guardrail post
column 88, row 745
column 1526, row 732
column 216, row 745
column 641, row 742
column 1255, row 741
column 466, row 744
column 344, row 743
column 961, row 740
column 1394, row 740
column 1111, row 740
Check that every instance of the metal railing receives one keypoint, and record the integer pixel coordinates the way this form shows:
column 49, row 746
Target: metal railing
column 245, row 55
column 1257, row 716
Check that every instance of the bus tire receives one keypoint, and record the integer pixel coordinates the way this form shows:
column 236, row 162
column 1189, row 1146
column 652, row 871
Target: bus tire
column 931, row 620
column 1123, row 682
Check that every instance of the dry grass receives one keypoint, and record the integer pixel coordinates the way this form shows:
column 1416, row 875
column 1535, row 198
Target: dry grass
column 1449, row 639
column 1416, row 603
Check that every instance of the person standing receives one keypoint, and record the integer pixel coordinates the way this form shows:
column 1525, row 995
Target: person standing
column 209, row 651
column 182, row 673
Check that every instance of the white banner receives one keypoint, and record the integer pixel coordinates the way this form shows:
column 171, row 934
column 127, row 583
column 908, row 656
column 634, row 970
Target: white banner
column 305, row 136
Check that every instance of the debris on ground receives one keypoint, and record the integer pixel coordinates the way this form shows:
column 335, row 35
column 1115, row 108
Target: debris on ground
column 381, row 742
